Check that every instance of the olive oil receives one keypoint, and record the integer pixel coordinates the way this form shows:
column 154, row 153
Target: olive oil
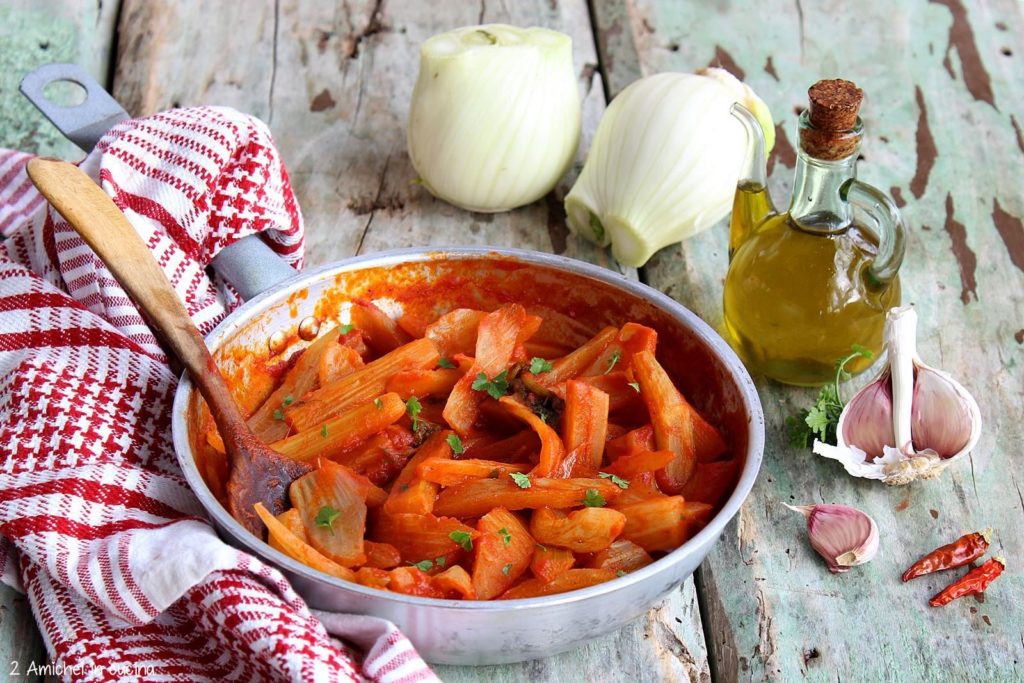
column 797, row 300
column 806, row 285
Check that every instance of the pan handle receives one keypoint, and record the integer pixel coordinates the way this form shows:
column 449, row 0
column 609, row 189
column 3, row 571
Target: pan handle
column 248, row 264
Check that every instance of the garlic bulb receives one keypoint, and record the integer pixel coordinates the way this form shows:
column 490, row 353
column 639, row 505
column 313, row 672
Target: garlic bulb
column 908, row 423
column 664, row 162
column 843, row 535
column 495, row 116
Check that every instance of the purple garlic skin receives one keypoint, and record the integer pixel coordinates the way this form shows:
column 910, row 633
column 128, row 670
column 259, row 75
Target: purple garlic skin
column 868, row 423
column 940, row 418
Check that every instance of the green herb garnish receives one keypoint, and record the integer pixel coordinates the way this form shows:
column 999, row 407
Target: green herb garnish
column 287, row 401
column 521, row 480
column 323, row 431
column 325, row 518
column 618, row 481
column 345, row 329
column 613, row 361
column 463, row 539
column 423, row 565
column 495, row 388
column 821, row 419
column 440, row 561
column 380, row 404
column 413, row 407
column 539, row 365
column 445, row 363
column 455, row 443
column 278, row 414
column 505, row 535
column 593, row 499
column 636, row 386
column 507, row 569
column 621, row 572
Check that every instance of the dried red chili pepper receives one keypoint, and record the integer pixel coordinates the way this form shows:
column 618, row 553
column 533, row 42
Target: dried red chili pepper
column 974, row 581
column 963, row 550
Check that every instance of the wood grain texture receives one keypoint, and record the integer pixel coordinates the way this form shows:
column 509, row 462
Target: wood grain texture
column 944, row 97
column 34, row 33
column 334, row 82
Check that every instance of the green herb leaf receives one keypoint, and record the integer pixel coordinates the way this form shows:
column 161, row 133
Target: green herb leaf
column 617, row 480
column 521, row 480
column 621, row 572
column 820, row 420
column 325, row 518
column 455, row 443
column 593, row 499
column 345, row 329
column 463, row 539
column 440, row 561
column 423, row 565
column 507, row 569
column 505, row 535
column 613, row 361
column 380, row 404
column 539, row 365
column 323, row 431
column 495, row 388
column 636, row 386
column 278, row 415
column 413, row 407
column 445, row 363
column 287, row 401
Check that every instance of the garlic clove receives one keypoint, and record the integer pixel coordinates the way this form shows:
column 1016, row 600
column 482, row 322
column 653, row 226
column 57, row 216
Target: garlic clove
column 868, row 423
column 941, row 414
column 844, row 536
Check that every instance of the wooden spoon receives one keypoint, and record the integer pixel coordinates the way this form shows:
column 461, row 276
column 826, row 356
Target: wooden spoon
column 258, row 474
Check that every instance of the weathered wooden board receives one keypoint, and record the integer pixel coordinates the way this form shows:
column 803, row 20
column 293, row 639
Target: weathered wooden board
column 334, row 82
column 31, row 34
column 34, row 33
column 943, row 117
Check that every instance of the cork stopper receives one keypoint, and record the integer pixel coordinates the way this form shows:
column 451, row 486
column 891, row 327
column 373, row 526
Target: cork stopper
column 832, row 114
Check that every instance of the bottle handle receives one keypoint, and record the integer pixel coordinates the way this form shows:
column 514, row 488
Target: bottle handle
column 887, row 225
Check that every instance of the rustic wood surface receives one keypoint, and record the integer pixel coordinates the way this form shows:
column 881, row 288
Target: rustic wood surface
column 333, row 80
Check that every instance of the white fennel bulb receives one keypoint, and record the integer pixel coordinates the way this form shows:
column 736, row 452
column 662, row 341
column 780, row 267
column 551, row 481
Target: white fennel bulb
column 495, row 116
column 664, row 162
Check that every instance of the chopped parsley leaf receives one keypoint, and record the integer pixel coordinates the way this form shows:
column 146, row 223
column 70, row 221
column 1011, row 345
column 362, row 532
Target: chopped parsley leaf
column 287, row 401
column 440, row 561
column 636, row 386
column 507, row 569
column 495, row 388
column 618, row 481
column 379, row 403
column 613, row 361
column 455, row 443
column 323, row 431
column 593, row 499
column 413, row 406
column 505, row 535
column 423, row 565
column 539, row 365
column 278, row 415
column 325, row 518
column 345, row 329
column 445, row 363
column 621, row 572
column 463, row 539
column 521, row 480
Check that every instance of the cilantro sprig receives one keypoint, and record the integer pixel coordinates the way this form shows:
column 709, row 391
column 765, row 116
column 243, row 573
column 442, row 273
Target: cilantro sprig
column 462, row 539
column 820, row 420
column 495, row 387
column 593, row 499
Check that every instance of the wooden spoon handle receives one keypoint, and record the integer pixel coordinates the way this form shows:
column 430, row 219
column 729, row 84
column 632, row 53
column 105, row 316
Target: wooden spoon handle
column 106, row 230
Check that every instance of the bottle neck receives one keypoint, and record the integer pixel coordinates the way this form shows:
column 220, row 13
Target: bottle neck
column 819, row 187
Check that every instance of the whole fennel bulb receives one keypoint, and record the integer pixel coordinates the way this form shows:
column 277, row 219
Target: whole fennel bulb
column 664, row 162
column 495, row 116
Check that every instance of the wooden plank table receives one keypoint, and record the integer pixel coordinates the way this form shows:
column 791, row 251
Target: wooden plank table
column 943, row 115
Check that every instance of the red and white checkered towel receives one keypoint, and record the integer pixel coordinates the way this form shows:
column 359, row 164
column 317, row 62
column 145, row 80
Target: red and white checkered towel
column 97, row 526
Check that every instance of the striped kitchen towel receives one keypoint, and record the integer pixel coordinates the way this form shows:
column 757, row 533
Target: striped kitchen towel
column 126, row 578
